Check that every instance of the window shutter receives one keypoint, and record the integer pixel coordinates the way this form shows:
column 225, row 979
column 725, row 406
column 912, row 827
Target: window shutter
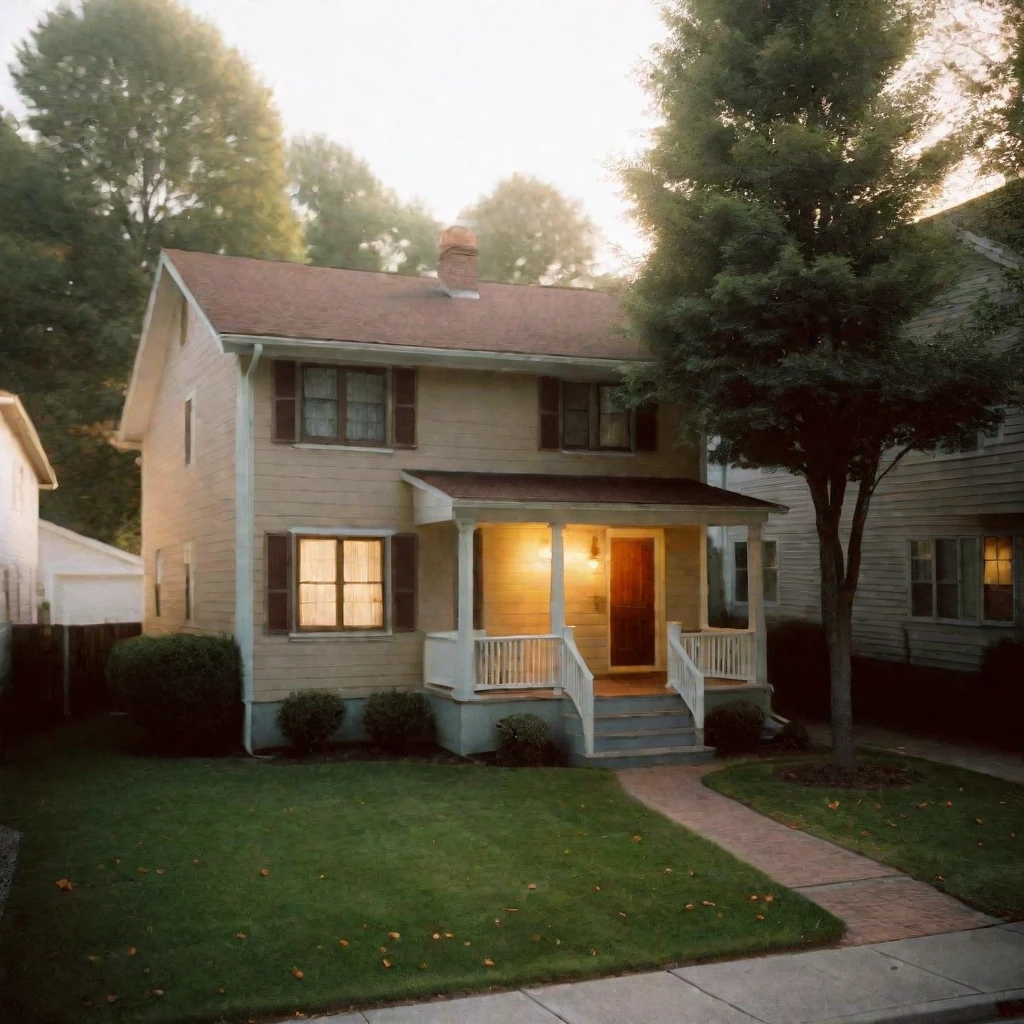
column 403, row 581
column 188, row 431
column 403, row 404
column 478, row 578
column 286, row 401
column 549, row 392
column 278, row 573
column 647, row 428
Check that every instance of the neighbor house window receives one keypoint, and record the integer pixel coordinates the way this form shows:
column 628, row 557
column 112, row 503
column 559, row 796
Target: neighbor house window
column 190, row 429
column 962, row 578
column 769, row 571
column 344, row 406
column 190, row 580
column 158, row 579
column 341, row 583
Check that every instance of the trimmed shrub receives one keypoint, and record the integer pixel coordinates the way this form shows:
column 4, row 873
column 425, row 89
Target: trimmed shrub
column 798, row 668
column 395, row 721
column 310, row 718
column 1002, row 679
column 183, row 689
column 523, row 741
column 793, row 736
column 734, row 728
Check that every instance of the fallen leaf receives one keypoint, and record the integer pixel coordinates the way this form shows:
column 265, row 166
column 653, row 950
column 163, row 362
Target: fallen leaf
column 760, row 917
column 423, row 966
column 117, row 860
column 637, row 839
column 689, row 906
column 949, row 803
column 979, row 821
column 383, row 949
column 864, row 832
column 922, row 805
column 511, row 910
column 833, row 805
column 939, row 878
column 296, row 973
column 621, row 914
column 386, row 962
column 65, row 885
column 449, row 935
column 343, row 942
column 877, row 807
column 558, row 942
column 158, row 992
column 597, row 888
column 467, row 943
column 532, row 885
column 239, row 935
column 321, row 878
column 195, row 860
column 891, row 824
column 535, row 937
column 707, row 903
column 265, row 872
column 145, row 970
column 142, row 871
column 769, row 898
column 436, row 935
column 668, row 871
column 394, row 935
column 593, row 952
column 488, row 963
column 132, row 951
column 112, row 998
column 753, row 897
column 221, row 990
column 93, row 959
column 159, row 871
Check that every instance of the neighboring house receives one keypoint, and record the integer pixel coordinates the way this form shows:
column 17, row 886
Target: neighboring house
column 24, row 472
column 378, row 482
column 86, row 581
column 943, row 553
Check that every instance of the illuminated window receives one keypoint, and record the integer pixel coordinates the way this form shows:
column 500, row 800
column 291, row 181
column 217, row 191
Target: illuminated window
column 966, row 579
column 341, row 583
column 998, row 579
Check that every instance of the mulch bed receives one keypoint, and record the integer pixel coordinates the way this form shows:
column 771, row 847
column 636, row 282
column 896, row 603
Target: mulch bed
column 867, row 775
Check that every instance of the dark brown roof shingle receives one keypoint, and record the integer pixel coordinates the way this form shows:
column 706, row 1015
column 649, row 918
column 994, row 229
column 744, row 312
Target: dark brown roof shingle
column 292, row 300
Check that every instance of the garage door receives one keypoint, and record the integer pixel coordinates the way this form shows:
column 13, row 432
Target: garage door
column 85, row 600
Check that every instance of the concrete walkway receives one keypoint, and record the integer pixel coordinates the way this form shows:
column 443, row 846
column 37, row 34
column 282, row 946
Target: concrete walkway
column 974, row 757
column 963, row 977
column 878, row 903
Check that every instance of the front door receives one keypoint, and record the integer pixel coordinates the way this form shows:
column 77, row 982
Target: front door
column 632, row 606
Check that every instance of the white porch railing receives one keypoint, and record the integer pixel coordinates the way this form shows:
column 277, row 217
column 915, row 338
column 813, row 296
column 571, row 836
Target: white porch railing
column 722, row 653
column 439, row 659
column 684, row 677
column 578, row 685
column 517, row 662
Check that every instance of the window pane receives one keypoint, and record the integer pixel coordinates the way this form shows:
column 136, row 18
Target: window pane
column 363, row 599
column 947, row 596
column 318, row 590
column 970, row 565
column 998, row 579
column 741, row 586
column 613, row 423
column 320, row 402
column 921, row 600
column 921, row 561
column 771, row 583
column 363, row 605
column 318, row 604
column 575, row 415
column 770, row 553
column 364, row 406
column 740, row 554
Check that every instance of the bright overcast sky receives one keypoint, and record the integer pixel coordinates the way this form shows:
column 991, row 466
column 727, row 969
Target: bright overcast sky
column 445, row 97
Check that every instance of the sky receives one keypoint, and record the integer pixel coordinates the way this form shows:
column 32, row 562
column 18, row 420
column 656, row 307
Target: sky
column 444, row 98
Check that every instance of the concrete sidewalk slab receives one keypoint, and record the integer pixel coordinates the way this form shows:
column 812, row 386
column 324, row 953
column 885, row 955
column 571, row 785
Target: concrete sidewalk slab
column 504, row 1008
column 637, row 999
column 987, row 959
column 820, row 985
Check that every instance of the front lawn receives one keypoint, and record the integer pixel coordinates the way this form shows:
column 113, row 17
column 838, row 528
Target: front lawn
column 958, row 830
column 216, row 883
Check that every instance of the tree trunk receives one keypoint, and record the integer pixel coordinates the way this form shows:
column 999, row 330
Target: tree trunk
column 840, row 674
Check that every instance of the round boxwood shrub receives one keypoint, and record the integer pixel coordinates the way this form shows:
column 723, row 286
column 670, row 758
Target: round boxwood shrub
column 523, row 741
column 793, row 736
column 396, row 721
column 310, row 718
column 182, row 688
column 734, row 728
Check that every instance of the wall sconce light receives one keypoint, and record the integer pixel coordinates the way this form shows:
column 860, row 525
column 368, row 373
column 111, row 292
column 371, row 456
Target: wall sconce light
column 545, row 553
column 595, row 555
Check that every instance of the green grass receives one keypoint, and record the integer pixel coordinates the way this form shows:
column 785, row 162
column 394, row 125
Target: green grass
column 961, row 831
column 354, row 851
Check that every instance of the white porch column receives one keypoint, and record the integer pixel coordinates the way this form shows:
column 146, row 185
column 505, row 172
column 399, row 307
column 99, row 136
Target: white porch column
column 755, row 602
column 703, row 561
column 557, row 580
column 465, row 654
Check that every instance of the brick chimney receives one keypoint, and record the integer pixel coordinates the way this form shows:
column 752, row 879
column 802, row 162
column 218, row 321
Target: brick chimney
column 456, row 262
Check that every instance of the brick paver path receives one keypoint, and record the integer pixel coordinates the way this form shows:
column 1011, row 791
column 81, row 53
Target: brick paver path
column 877, row 903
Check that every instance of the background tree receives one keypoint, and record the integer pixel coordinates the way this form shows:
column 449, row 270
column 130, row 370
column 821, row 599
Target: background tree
column 529, row 233
column 779, row 196
column 145, row 102
column 351, row 219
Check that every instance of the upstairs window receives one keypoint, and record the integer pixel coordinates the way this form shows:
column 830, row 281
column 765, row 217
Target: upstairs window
column 580, row 416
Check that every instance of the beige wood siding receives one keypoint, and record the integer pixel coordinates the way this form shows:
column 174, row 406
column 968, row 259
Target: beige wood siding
column 194, row 503
column 466, row 420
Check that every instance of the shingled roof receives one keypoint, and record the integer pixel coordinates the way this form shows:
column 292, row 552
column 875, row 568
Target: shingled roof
column 291, row 300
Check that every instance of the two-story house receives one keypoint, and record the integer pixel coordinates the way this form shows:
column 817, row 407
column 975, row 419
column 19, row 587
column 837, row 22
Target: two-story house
column 383, row 482
column 942, row 573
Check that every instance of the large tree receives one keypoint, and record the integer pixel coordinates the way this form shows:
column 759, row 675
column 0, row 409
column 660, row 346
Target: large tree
column 529, row 233
column 351, row 219
column 779, row 196
column 145, row 103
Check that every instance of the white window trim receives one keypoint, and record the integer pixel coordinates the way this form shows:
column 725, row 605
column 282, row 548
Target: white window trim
column 984, row 441
column 980, row 620
column 778, row 574
column 313, row 446
column 191, row 397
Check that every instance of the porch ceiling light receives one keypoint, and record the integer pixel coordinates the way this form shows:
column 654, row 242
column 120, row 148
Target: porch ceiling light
column 545, row 553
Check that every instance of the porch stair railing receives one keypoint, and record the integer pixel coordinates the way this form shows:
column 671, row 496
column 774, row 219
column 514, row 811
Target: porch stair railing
column 720, row 653
column 578, row 686
column 685, row 677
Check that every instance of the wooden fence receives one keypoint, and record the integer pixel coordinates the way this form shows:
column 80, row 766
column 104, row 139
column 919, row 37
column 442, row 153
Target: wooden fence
column 59, row 671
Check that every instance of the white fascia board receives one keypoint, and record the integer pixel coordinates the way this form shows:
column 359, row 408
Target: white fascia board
column 421, row 355
column 607, row 513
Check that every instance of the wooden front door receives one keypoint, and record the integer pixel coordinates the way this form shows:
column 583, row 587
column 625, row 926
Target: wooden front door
column 632, row 605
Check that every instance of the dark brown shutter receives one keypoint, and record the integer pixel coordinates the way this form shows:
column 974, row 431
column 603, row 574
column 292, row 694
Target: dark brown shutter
column 286, row 401
column 403, row 401
column 278, row 572
column 549, row 391
column 647, row 428
column 188, row 431
column 478, row 579
column 403, row 581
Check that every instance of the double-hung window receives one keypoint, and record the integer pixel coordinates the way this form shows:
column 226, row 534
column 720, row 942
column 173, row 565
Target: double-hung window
column 964, row 579
column 769, row 571
column 340, row 583
column 591, row 420
column 344, row 405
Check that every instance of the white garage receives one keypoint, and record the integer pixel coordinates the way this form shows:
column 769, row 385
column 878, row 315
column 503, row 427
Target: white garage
column 86, row 581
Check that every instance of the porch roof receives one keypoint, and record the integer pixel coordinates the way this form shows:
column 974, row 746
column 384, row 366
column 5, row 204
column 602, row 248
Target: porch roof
column 441, row 495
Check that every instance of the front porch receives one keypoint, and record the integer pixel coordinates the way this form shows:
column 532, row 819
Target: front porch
column 601, row 603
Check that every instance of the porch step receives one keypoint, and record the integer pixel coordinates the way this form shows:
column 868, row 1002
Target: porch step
column 644, row 757
column 667, row 701
column 677, row 718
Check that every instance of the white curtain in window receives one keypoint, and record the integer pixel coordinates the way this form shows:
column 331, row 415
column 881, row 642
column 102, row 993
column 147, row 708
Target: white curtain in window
column 363, row 598
column 364, row 406
column 320, row 402
column 318, row 575
column 614, row 422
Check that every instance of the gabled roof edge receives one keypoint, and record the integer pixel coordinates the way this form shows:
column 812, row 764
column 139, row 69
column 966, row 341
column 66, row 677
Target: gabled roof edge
column 25, row 431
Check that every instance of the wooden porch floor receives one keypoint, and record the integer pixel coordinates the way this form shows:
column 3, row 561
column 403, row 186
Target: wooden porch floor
column 619, row 684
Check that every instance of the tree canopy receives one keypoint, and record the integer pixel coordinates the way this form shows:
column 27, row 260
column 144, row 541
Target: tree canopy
column 147, row 104
column 779, row 196
column 351, row 219
column 529, row 233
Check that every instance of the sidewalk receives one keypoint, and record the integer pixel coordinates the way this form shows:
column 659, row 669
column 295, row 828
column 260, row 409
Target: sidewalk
column 877, row 902
column 963, row 977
